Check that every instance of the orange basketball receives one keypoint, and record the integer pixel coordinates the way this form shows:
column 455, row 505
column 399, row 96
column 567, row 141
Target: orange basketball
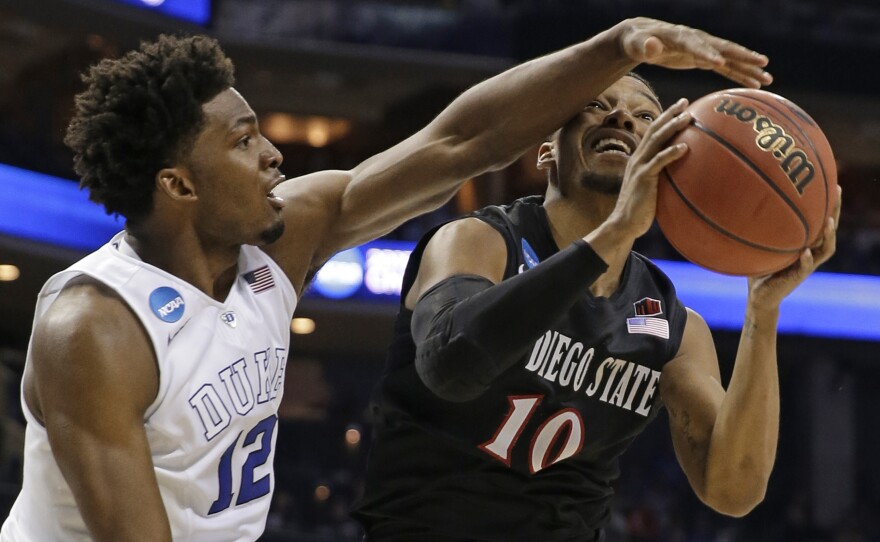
column 755, row 188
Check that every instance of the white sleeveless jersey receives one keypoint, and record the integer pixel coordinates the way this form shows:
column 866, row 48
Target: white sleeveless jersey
column 212, row 428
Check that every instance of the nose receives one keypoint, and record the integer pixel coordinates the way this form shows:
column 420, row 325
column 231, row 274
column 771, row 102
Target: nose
column 271, row 157
column 620, row 118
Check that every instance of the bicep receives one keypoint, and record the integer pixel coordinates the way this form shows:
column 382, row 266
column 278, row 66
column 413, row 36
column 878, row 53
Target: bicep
column 464, row 247
column 692, row 393
column 413, row 177
column 312, row 205
column 93, row 383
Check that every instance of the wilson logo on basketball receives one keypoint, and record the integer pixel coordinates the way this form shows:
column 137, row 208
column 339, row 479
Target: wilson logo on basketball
column 772, row 138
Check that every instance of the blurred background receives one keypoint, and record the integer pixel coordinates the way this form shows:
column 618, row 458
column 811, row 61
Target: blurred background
column 335, row 81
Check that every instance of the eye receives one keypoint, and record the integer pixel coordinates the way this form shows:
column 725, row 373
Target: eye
column 244, row 142
column 596, row 104
column 648, row 116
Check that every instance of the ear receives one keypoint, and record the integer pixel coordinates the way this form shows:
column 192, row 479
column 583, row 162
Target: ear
column 546, row 156
column 547, row 163
column 176, row 183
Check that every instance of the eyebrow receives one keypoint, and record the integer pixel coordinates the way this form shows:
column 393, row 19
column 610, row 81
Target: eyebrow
column 244, row 120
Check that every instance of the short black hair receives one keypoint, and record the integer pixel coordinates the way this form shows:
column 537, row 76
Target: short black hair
column 140, row 113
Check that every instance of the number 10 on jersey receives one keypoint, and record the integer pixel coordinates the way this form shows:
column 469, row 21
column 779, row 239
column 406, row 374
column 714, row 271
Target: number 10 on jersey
column 522, row 407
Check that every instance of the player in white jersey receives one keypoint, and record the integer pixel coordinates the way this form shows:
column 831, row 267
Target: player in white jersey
column 155, row 365
column 222, row 364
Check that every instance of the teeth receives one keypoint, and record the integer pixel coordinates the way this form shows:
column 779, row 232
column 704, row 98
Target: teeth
column 610, row 145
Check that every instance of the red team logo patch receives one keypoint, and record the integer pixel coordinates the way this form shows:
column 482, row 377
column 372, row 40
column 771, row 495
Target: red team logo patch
column 647, row 306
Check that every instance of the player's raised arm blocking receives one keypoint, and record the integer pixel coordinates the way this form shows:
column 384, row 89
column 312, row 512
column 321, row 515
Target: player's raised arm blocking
column 487, row 127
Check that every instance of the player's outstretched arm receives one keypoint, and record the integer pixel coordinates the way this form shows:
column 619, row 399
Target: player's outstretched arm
column 486, row 127
column 726, row 440
column 92, row 377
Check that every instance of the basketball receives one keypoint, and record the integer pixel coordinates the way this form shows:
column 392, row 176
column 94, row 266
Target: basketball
column 755, row 188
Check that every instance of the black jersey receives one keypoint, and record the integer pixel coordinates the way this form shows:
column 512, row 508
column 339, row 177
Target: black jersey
column 535, row 456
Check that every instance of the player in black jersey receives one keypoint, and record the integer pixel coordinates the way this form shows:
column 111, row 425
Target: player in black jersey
column 533, row 346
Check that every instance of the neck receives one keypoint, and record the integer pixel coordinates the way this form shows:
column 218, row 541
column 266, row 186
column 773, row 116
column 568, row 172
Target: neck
column 576, row 216
column 182, row 254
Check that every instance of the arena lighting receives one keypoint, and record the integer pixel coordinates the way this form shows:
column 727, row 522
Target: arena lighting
column 196, row 11
column 302, row 326
column 50, row 210
column 9, row 272
column 282, row 128
column 352, row 436
column 322, row 493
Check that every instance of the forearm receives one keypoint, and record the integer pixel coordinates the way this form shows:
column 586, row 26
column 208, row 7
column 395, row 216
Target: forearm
column 510, row 112
column 539, row 96
column 114, row 486
column 485, row 128
column 744, row 438
column 468, row 331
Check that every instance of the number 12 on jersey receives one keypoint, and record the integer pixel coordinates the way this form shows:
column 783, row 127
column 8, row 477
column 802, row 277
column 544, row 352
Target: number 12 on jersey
column 249, row 489
column 545, row 438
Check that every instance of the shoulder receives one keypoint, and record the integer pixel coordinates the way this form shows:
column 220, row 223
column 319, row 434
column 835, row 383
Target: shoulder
column 468, row 246
column 696, row 330
column 696, row 351
column 90, row 333
column 463, row 243
column 465, row 232
column 84, row 307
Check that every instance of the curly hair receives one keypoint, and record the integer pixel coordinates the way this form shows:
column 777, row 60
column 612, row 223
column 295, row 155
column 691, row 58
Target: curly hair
column 140, row 113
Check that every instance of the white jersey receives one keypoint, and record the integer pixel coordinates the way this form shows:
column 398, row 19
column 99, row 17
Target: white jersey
column 212, row 427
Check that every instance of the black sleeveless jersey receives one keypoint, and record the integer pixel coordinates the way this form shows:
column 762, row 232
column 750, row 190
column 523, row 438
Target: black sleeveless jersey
column 534, row 457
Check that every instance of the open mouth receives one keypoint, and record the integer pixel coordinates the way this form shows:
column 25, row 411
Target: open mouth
column 610, row 145
column 274, row 200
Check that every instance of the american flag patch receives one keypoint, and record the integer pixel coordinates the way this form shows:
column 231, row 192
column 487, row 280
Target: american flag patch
column 649, row 326
column 260, row 279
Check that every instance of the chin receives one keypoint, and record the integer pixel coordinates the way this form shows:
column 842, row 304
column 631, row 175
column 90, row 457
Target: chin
column 603, row 184
column 272, row 233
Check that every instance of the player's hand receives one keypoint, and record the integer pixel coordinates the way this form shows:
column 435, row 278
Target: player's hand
column 637, row 203
column 769, row 291
column 680, row 47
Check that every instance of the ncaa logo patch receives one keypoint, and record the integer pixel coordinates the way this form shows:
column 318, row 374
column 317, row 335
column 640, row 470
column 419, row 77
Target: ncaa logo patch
column 167, row 304
column 529, row 255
